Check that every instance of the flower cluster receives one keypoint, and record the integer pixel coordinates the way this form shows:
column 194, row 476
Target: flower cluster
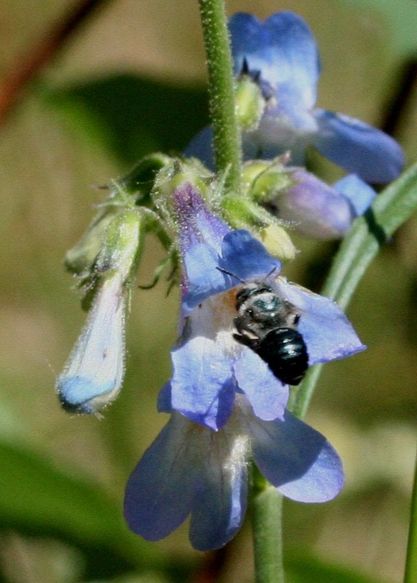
column 245, row 332
column 226, row 405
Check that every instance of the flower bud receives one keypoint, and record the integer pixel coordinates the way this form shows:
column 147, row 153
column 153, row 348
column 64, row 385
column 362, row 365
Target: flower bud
column 250, row 103
column 278, row 242
column 80, row 258
column 262, row 179
column 93, row 374
column 316, row 209
column 121, row 244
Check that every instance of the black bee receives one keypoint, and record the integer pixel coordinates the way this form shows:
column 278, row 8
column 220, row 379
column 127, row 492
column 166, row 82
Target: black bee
column 268, row 325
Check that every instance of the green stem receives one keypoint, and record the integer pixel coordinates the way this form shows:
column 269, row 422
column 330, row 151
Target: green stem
column 227, row 147
column 410, row 575
column 368, row 234
column 267, row 536
column 267, row 504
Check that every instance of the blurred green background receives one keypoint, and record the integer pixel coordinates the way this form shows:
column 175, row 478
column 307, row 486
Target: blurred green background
column 129, row 81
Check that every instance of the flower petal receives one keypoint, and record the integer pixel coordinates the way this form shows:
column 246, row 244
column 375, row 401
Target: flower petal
column 160, row 491
column 296, row 459
column 359, row 194
column 197, row 224
column 246, row 257
column 327, row 332
column 317, row 210
column 283, row 50
column 297, row 62
column 358, row 147
column 164, row 404
column 94, row 372
column 201, row 147
column 220, row 503
column 202, row 278
column 202, row 387
column 250, row 41
column 267, row 395
column 241, row 255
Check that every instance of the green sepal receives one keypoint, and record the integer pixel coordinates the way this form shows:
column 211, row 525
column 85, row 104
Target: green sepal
column 181, row 171
column 176, row 174
column 249, row 103
column 243, row 213
column 262, row 180
column 121, row 244
column 80, row 258
column 119, row 255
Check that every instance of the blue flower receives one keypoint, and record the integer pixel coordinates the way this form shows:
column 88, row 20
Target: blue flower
column 318, row 210
column 282, row 56
column 209, row 366
column 193, row 470
column 94, row 372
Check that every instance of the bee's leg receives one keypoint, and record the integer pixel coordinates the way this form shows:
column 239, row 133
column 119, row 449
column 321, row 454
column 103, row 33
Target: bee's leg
column 246, row 341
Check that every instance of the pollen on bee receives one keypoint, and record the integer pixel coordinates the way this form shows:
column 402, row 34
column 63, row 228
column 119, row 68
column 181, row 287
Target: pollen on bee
column 229, row 298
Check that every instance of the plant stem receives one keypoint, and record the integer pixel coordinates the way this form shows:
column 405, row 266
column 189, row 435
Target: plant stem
column 267, row 536
column 410, row 575
column 227, row 145
column 40, row 55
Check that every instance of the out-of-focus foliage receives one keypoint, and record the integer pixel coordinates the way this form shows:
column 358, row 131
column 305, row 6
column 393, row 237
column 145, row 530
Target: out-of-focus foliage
column 128, row 83
column 131, row 115
column 402, row 19
column 308, row 569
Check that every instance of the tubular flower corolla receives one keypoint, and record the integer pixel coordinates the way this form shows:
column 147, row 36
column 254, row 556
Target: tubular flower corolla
column 193, row 470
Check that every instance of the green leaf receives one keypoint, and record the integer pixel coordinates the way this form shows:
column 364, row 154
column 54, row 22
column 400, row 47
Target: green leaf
column 37, row 498
column 309, row 569
column 131, row 116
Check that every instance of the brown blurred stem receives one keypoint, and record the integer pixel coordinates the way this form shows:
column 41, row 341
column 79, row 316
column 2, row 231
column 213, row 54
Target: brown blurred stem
column 211, row 567
column 39, row 56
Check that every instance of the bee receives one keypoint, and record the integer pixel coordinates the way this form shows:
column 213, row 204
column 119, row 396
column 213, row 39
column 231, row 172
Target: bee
column 267, row 324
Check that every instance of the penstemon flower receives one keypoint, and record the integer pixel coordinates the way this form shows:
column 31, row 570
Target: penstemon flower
column 192, row 470
column 310, row 206
column 233, row 408
column 282, row 58
column 209, row 366
column 320, row 211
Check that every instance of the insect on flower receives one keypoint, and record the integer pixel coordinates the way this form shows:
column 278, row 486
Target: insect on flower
column 267, row 324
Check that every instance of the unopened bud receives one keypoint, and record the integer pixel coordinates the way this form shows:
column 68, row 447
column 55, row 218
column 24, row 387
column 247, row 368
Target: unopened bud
column 264, row 179
column 121, row 244
column 250, row 103
column 278, row 242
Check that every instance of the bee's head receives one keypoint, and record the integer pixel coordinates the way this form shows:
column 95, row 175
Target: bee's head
column 250, row 290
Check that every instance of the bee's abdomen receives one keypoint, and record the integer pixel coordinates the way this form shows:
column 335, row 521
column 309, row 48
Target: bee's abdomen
column 285, row 352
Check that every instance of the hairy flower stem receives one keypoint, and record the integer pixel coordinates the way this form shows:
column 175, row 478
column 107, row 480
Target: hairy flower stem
column 410, row 575
column 267, row 536
column 227, row 144
column 369, row 233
